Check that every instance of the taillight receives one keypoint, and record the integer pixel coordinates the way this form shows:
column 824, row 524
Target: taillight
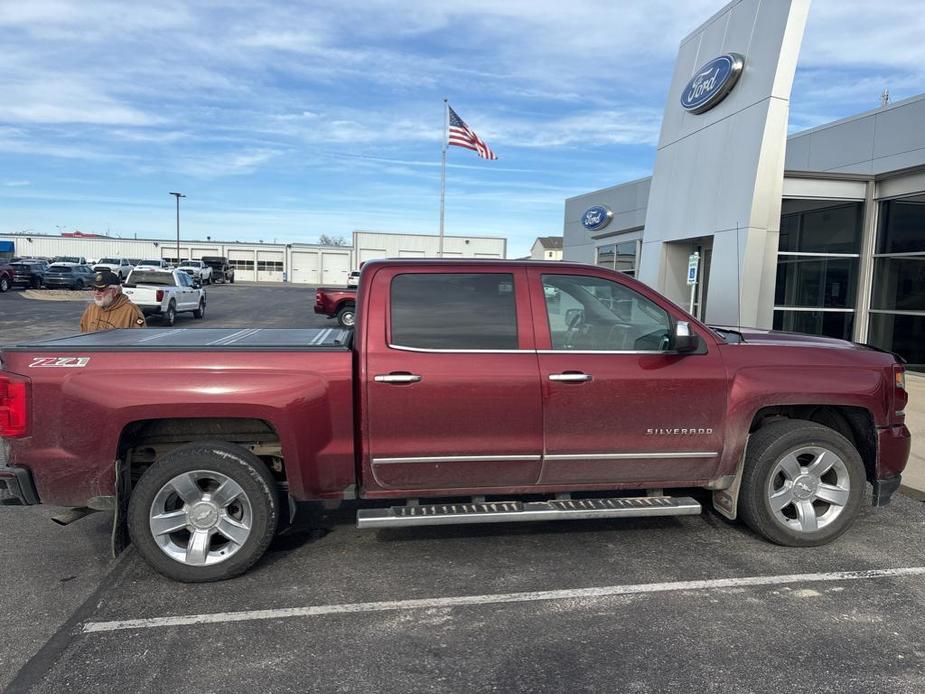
column 159, row 295
column 900, row 395
column 318, row 298
column 14, row 406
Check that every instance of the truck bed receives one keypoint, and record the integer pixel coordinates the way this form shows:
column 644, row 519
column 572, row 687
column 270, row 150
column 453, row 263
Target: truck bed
column 198, row 340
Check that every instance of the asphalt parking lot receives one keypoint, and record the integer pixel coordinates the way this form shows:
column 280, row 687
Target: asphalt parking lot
column 639, row 605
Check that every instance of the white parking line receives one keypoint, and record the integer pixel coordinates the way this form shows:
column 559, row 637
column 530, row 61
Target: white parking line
column 461, row 601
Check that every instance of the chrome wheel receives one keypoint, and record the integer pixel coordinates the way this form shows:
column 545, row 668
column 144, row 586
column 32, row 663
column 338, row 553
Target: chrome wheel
column 200, row 518
column 808, row 488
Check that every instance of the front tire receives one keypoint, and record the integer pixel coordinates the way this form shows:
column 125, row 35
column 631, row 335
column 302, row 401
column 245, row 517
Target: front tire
column 803, row 483
column 204, row 512
column 201, row 311
column 4, row 285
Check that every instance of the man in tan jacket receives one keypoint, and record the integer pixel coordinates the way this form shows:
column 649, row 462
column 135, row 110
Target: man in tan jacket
column 110, row 308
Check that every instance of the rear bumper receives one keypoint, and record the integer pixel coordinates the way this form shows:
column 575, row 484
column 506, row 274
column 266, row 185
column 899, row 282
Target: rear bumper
column 16, row 487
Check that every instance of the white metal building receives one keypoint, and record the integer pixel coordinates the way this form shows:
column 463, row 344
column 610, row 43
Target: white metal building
column 370, row 245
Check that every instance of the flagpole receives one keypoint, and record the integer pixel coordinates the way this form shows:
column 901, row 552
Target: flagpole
column 443, row 173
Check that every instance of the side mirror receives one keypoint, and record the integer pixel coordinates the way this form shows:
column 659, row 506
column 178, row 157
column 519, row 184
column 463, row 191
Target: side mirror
column 684, row 340
column 197, row 284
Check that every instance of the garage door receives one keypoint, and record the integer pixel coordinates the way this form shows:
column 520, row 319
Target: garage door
column 410, row 254
column 197, row 253
column 334, row 268
column 270, row 266
column 305, row 267
column 243, row 264
column 367, row 254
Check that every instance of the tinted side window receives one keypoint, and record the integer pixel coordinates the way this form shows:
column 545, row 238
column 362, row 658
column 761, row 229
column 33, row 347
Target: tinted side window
column 589, row 313
column 454, row 311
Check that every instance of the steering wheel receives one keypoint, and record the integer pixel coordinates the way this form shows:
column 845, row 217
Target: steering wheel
column 574, row 325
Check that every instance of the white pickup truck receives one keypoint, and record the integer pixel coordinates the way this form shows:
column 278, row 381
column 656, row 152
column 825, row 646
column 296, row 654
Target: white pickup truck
column 197, row 270
column 165, row 293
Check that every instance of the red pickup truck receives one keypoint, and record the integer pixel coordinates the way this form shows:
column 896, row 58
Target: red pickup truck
column 337, row 303
column 470, row 391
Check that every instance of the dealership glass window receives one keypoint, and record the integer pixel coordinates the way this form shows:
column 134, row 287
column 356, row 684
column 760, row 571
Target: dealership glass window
column 454, row 311
column 808, row 281
column 829, row 323
column 619, row 256
column 591, row 313
column 897, row 304
column 817, row 268
column 900, row 333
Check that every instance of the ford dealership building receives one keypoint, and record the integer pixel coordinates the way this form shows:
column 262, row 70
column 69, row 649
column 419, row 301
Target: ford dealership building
column 820, row 232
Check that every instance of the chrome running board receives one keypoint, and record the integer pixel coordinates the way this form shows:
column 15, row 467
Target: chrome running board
column 514, row 511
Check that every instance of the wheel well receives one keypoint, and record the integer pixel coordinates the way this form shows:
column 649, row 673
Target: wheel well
column 346, row 303
column 143, row 442
column 854, row 423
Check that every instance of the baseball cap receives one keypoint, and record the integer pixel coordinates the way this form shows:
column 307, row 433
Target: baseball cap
column 105, row 278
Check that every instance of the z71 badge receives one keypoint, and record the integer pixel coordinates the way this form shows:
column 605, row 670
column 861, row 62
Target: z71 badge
column 59, row 362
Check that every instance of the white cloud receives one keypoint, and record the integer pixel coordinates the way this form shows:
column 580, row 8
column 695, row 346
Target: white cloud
column 16, row 184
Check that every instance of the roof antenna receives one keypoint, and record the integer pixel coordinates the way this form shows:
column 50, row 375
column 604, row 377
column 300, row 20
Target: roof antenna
column 738, row 284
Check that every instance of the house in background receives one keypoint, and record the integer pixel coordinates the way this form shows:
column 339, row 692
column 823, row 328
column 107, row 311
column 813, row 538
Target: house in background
column 547, row 248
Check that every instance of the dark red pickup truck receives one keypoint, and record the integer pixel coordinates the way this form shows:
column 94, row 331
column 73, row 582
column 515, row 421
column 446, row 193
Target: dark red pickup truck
column 470, row 391
column 337, row 303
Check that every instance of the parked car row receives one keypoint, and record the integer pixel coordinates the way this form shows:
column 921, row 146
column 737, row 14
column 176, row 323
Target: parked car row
column 74, row 272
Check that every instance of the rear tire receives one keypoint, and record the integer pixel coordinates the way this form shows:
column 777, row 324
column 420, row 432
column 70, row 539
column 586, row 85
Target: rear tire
column 206, row 511
column 4, row 285
column 803, row 483
column 170, row 315
column 346, row 317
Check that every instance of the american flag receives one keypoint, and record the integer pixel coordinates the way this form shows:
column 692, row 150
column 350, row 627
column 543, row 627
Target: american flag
column 462, row 136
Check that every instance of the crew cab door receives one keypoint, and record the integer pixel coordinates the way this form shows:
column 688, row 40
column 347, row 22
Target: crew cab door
column 452, row 390
column 618, row 406
column 187, row 295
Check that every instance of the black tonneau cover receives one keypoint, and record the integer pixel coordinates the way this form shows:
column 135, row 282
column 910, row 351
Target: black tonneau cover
column 198, row 340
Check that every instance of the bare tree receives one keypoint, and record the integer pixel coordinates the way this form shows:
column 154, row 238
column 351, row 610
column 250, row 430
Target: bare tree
column 326, row 240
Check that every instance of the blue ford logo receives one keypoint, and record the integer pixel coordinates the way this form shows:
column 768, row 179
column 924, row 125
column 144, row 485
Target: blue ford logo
column 712, row 82
column 596, row 217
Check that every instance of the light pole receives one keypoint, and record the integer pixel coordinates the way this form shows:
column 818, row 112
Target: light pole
column 178, row 196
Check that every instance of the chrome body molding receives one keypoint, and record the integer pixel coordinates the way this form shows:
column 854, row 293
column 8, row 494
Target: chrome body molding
column 456, row 459
column 632, row 456
column 531, row 457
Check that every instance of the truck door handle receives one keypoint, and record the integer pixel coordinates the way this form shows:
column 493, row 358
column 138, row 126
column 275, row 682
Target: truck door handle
column 570, row 377
column 397, row 378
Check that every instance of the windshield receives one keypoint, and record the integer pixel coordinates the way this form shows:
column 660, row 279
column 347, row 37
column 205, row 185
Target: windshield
column 67, row 259
column 163, row 279
column 59, row 268
column 109, row 261
column 191, row 263
column 156, row 263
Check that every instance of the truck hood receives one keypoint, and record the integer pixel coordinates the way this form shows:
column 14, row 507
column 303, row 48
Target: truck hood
column 785, row 339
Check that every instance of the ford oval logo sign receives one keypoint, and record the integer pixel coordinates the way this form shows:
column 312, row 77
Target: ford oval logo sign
column 596, row 217
column 712, row 82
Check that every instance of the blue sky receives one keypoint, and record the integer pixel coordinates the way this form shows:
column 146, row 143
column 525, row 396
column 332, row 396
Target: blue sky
column 288, row 120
